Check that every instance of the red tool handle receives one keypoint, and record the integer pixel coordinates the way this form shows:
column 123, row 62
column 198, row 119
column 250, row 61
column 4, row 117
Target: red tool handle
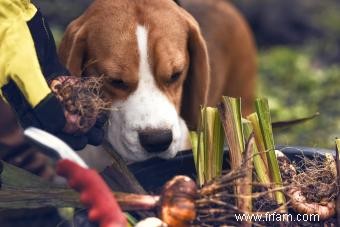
column 94, row 194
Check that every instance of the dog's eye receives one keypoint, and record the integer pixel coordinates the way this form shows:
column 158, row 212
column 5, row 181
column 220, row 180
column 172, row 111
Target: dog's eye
column 174, row 77
column 119, row 84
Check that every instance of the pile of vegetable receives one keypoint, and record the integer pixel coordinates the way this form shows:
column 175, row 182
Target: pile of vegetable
column 264, row 179
column 251, row 178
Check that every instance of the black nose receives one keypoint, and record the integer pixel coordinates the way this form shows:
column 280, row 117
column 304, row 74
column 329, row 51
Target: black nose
column 155, row 141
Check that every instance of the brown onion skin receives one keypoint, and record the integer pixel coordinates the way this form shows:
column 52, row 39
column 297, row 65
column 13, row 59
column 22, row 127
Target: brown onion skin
column 178, row 208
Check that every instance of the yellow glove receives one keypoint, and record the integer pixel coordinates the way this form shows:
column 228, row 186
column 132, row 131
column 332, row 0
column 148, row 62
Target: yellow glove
column 28, row 59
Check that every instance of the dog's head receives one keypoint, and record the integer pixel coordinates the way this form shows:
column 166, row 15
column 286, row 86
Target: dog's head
column 155, row 65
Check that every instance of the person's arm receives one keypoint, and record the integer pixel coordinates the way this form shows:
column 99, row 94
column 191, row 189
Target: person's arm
column 28, row 64
column 22, row 82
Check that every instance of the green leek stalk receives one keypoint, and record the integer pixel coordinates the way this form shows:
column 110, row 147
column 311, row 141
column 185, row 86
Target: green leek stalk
column 262, row 109
column 260, row 167
column 194, row 144
column 198, row 153
column 254, row 119
column 207, row 146
column 260, row 157
column 230, row 111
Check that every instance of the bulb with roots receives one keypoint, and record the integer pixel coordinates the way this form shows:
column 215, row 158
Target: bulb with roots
column 82, row 101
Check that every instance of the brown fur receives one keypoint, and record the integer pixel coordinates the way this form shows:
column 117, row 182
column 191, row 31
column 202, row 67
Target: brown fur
column 231, row 50
column 103, row 42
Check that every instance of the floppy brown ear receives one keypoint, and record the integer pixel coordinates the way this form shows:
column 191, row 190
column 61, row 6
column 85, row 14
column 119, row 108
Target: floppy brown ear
column 72, row 47
column 196, row 85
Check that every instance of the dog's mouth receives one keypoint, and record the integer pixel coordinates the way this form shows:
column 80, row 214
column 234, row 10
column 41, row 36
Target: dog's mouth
column 132, row 154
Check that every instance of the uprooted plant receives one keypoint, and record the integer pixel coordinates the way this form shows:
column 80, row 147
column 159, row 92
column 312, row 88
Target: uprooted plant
column 278, row 186
column 311, row 185
column 82, row 99
column 259, row 179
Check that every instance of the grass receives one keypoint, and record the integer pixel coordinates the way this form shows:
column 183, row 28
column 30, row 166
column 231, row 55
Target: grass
column 297, row 84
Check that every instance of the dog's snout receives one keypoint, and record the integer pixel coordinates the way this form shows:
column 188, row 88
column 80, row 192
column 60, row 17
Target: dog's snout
column 155, row 141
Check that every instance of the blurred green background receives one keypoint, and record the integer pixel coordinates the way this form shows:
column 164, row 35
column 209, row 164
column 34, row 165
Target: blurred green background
column 299, row 59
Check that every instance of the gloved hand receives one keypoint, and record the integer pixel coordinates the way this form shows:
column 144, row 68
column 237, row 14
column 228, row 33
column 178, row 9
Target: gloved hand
column 15, row 150
column 93, row 137
column 29, row 51
column 94, row 194
column 29, row 158
column 49, row 115
column 83, row 107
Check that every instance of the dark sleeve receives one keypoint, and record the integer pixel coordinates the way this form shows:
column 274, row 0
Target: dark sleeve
column 45, row 47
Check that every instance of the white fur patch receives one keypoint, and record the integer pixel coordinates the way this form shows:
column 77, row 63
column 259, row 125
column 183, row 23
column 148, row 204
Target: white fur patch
column 146, row 108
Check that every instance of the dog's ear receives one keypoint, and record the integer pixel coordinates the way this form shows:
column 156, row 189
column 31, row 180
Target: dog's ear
column 72, row 47
column 177, row 2
column 196, row 85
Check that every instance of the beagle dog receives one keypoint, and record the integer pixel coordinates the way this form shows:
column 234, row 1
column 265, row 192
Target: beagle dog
column 161, row 62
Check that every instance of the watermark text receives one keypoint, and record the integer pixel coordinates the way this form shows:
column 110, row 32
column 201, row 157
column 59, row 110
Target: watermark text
column 276, row 217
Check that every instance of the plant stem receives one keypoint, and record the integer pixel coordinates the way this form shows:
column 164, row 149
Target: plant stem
column 231, row 121
column 262, row 109
column 230, row 112
column 118, row 176
column 208, row 144
column 260, row 157
column 21, row 189
column 254, row 119
column 245, row 203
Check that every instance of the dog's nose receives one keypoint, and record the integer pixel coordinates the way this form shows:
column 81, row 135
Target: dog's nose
column 155, row 141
